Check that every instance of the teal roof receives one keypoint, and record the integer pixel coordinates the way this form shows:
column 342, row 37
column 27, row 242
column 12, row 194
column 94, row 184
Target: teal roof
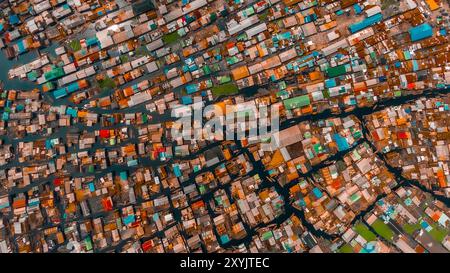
column 365, row 23
column 420, row 32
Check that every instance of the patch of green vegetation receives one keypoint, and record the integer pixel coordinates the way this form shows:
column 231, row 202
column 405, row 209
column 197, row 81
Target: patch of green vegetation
column 124, row 58
column 263, row 16
column 75, row 45
column 438, row 233
column 225, row 90
column 141, row 51
column 411, row 228
column 171, row 37
column 346, row 249
column 383, row 230
column 364, row 231
column 107, row 83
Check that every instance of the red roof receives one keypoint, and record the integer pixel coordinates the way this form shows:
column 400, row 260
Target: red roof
column 147, row 245
column 104, row 133
column 375, row 135
column 402, row 135
column 57, row 181
column 336, row 184
column 107, row 204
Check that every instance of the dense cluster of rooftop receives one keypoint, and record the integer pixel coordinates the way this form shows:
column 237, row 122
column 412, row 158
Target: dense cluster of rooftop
column 89, row 161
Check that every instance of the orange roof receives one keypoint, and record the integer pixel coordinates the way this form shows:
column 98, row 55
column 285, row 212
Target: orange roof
column 222, row 106
column 83, row 83
column 436, row 216
column 260, row 50
column 307, row 109
column 240, row 72
column 359, row 86
column 295, row 188
column 432, row 4
column 292, row 176
column 198, row 204
column 401, row 121
column 230, row 45
column 315, row 75
column 329, row 25
column 307, row 200
column 129, row 148
column 82, row 114
column 187, row 51
column 123, row 103
column 19, row 203
column 336, row 184
column 419, row 249
column 104, row 103
column 227, row 154
column 128, row 91
column 277, row 159
column 264, row 195
column 290, row 2
column 441, row 178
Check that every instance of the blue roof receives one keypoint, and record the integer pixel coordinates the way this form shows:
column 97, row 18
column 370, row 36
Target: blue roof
column 71, row 111
column 186, row 100
column 284, row 35
column 91, row 41
column 341, row 142
column 365, row 23
column 21, row 46
column 330, row 83
column 317, row 192
column 357, row 8
column 59, row 93
column 424, row 224
column 420, row 32
column 14, row 19
column 123, row 175
column 191, row 88
column 73, row 87
column 128, row 219
column 224, row 238
column 48, row 143
column 176, row 170
column 131, row 163
column 4, row 205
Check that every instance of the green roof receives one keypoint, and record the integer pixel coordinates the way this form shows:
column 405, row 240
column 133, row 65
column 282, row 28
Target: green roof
column 267, row 235
column 336, row 71
column 297, row 102
column 224, row 79
column 54, row 73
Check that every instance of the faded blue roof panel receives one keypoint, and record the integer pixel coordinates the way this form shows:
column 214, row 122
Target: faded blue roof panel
column 420, row 32
column 365, row 23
